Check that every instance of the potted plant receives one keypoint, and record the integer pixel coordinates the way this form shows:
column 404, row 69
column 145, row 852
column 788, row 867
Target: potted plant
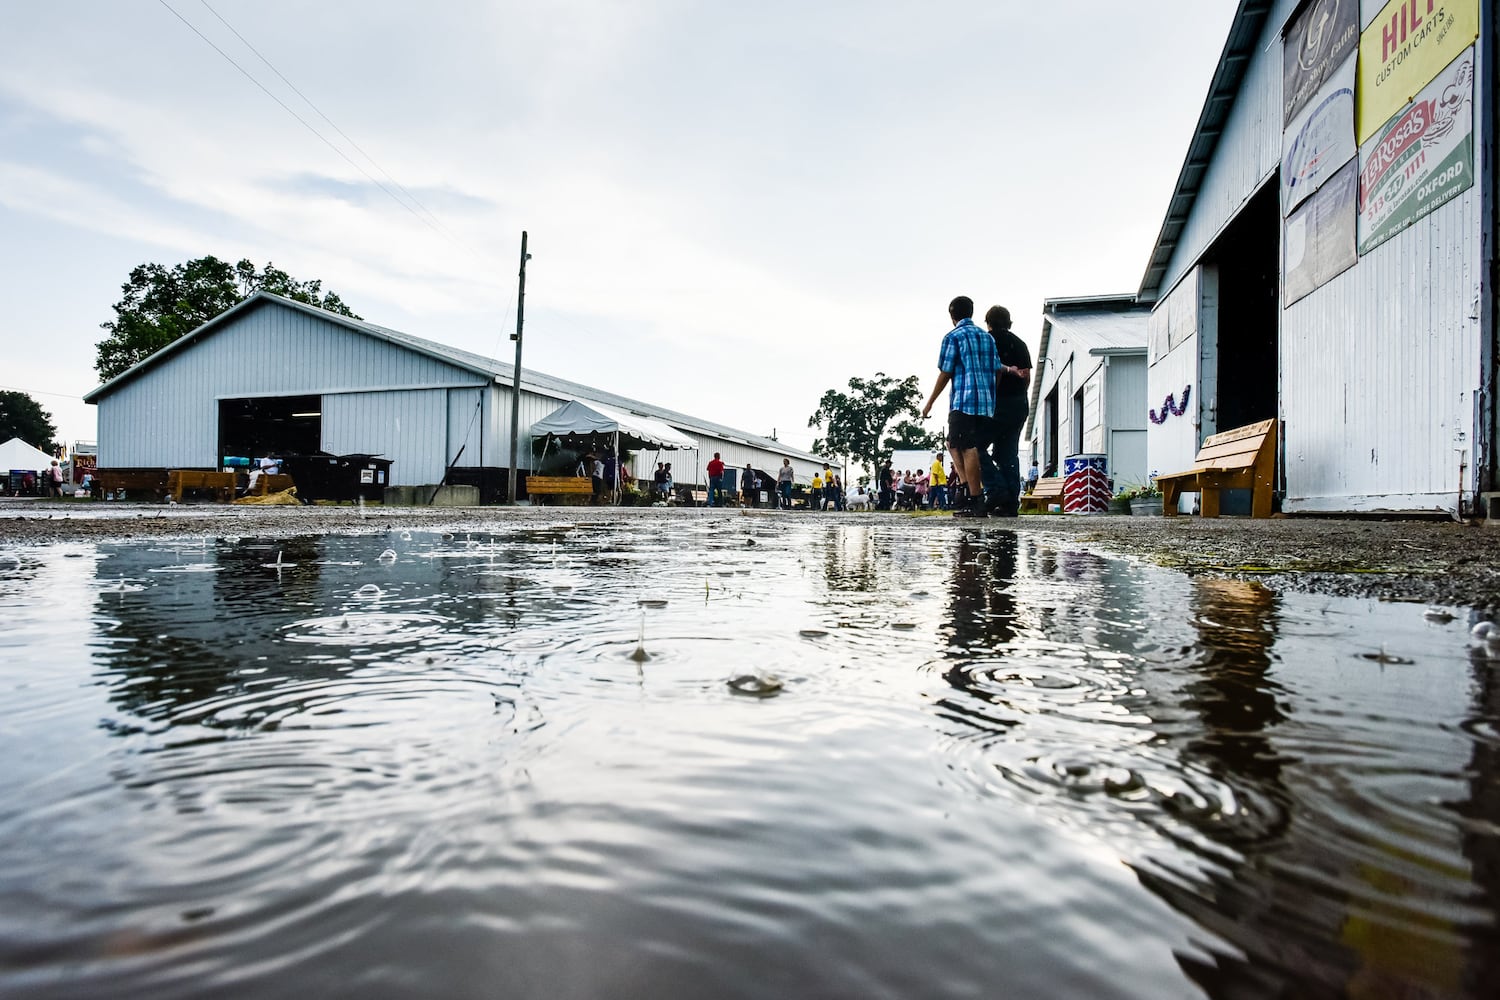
column 1144, row 499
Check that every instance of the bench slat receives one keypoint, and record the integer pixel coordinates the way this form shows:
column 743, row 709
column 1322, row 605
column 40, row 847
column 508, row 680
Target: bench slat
column 1235, row 453
column 558, row 484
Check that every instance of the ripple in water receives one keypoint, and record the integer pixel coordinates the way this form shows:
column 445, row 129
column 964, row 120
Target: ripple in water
column 365, row 628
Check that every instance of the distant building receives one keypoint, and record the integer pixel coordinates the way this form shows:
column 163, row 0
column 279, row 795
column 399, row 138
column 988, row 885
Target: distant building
column 274, row 377
column 1328, row 257
column 1088, row 386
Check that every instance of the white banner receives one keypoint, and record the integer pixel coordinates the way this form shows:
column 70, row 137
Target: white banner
column 1320, row 139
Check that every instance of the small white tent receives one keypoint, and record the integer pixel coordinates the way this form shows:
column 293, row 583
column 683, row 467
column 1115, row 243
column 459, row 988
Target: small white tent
column 17, row 454
column 579, row 421
column 580, row 425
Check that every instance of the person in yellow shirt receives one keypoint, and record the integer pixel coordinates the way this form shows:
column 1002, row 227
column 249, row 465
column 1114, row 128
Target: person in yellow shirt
column 937, row 484
column 815, row 500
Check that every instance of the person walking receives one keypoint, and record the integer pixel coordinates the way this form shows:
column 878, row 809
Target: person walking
column 1011, row 407
column 784, row 477
column 968, row 360
column 937, row 483
column 55, row 479
column 748, row 488
column 715, row 480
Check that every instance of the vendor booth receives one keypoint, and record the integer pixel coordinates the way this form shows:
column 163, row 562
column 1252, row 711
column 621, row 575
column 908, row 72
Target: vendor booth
column 583, row 427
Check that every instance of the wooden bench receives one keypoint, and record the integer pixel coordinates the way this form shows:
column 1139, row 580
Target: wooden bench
column 1046, row 492
column 130, row 482
column 1239, row 459
column 181, row 480
column 548, row 486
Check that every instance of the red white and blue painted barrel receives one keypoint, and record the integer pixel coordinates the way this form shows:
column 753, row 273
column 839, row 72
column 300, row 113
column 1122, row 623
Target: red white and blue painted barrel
column 1085, row 484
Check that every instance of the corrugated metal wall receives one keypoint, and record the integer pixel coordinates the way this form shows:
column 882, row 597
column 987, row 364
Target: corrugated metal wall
column 1093, row 414
column 1379, row 368
column 403, row 425
column 1172, row 334
column 169, row 418
column 1125, row 401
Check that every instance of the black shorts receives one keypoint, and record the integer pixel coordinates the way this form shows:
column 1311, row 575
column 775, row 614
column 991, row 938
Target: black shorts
column 966, row 431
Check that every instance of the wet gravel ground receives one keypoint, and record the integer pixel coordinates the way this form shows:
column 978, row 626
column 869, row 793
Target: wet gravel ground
column 1425, row 561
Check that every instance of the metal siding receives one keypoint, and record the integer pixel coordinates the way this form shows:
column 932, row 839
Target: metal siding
column 402, row 425
column 1248, row 151
column 169, row 417
column 1093, row 414
column 1172, row 444
column 465, row 427
column 1125, row 393
column 1064, row 384
column 1380, row 367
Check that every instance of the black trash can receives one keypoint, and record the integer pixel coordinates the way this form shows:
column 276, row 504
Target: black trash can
column 338, row 477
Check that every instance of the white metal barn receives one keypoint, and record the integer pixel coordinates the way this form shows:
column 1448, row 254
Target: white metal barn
column 1328, row 256
column 273, row 376
column 1088, row 389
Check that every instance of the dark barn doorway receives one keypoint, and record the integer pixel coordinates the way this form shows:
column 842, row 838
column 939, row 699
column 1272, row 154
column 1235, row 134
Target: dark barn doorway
column 1247, row 259
column 270, row 426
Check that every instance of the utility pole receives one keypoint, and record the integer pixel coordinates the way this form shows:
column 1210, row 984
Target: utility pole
column 515, row 381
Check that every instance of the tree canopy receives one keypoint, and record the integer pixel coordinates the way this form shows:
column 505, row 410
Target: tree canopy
column 23, row 417
column 162, row 303
column 856, row 421
column 909, row 435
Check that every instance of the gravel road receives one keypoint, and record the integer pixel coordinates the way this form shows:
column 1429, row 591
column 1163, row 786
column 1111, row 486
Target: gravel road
column 1432, row 562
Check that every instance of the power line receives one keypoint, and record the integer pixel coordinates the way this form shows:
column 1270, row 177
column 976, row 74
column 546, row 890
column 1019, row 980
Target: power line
column 334, row 125
column 76, row 396
column 324, row 139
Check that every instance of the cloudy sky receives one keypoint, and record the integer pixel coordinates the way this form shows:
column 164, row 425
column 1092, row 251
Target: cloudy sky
column 731, row 207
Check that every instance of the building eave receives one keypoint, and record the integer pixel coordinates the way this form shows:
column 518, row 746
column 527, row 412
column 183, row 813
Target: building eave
column 1239, row 48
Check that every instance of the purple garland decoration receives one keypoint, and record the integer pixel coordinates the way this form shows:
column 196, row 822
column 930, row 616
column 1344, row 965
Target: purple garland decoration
column 1170, row 405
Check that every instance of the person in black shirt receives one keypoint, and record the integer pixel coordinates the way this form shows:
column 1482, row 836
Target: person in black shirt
column 1002, row 466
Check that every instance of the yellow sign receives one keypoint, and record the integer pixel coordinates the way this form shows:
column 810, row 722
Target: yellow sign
column 1408, row 44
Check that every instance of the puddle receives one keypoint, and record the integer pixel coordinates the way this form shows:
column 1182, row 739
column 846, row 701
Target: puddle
column 846, row 760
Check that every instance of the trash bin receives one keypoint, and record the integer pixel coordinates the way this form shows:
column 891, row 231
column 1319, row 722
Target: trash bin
column 1085, row 484
column 338, row 477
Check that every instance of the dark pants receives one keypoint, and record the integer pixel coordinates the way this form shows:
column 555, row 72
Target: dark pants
column 1000, row 465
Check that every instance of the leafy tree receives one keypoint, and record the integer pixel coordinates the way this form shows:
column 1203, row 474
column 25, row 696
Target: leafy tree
column 856, row 421
column 23, row 417
column 161, row 304
column 909, row 435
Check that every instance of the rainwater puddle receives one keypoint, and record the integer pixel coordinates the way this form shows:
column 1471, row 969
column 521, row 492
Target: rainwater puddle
column 653, row 759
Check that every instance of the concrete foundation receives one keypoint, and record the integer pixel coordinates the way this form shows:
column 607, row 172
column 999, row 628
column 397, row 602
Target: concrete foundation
column 423, row 496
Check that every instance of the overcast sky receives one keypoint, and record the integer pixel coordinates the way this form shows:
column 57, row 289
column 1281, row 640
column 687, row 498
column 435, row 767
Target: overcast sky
column 731, row 207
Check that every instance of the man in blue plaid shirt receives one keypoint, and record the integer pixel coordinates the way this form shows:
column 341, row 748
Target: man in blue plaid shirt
column 969, row 361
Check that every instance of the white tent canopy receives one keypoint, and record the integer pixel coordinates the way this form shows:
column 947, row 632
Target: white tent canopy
column 577, row 419
column 17, row 454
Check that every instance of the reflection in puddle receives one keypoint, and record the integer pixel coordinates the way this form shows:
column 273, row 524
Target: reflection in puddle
column 904, row 761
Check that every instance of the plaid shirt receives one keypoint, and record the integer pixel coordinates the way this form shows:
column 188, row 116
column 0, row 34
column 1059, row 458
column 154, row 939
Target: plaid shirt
column 969, row 356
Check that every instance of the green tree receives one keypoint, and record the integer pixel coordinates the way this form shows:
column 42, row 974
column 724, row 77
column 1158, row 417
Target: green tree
column 856, row 421
column 23, row 417
column 161, row 304
column 909, row 435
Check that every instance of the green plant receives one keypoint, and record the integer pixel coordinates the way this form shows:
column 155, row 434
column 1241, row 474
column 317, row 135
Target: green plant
column 1142, row 491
